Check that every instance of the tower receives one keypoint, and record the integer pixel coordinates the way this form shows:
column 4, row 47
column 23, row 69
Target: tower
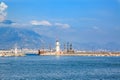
column 65, row 47
column 70, row 47
column 15, row 51
column 57, row 46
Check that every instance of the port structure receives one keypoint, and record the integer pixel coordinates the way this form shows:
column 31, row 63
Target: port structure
column 57, row 50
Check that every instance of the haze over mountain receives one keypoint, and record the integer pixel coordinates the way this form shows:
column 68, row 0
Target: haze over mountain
column 30, row 38
column 24, row 38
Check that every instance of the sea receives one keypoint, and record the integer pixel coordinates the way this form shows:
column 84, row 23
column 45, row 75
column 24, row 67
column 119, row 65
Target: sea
column 36, row 67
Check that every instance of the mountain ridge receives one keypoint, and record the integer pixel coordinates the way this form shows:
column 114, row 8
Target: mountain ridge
column 24, row 38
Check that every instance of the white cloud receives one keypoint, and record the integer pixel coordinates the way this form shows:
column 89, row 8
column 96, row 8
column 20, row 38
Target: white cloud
column 42, row 23
column 47, row 23
column 3, row 14
column 62, row 25
column 19, row 25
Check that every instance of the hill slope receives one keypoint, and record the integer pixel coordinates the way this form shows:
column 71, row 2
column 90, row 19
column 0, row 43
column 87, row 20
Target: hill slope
column 24, row 38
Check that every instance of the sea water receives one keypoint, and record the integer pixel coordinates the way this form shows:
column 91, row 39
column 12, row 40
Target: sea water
column 33, row 67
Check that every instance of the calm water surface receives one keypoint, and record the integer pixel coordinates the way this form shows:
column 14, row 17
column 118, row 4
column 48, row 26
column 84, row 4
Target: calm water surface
column 33, row 67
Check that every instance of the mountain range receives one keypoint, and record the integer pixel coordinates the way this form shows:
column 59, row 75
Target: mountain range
column 23, row 38
column 28, row 38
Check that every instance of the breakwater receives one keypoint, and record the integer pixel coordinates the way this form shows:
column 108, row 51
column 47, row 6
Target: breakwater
column 7, row 53
column 82, row 54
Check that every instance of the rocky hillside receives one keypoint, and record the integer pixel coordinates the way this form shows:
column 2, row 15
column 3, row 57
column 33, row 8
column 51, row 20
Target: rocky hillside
column 24, row 38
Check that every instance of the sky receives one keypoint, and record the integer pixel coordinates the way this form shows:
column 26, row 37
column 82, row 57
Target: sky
column 79, row 21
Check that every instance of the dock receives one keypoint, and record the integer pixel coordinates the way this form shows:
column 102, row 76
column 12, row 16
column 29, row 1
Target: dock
column 8, row 53
column 81, row 54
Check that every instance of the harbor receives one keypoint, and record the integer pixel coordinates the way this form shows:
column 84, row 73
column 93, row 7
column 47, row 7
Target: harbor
column 57, row 51
column 69, row 51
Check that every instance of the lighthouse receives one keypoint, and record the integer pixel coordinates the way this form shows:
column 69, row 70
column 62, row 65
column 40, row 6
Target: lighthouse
column 57, row 46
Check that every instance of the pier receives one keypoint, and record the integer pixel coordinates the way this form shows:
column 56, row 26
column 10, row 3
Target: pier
column 7, row 53
column 17, row 52
column 81, row 54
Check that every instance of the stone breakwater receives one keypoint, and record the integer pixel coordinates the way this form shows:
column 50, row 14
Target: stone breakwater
column 8, row 53
column 84, row 54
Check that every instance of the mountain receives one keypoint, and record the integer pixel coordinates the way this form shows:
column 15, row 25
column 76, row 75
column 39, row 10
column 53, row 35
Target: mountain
column 28, row 38
column 24, row 38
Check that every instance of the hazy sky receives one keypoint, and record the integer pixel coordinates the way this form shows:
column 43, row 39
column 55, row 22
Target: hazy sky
column 83, row 21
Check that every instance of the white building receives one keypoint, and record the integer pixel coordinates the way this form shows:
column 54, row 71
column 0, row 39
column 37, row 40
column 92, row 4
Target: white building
column 57, row 46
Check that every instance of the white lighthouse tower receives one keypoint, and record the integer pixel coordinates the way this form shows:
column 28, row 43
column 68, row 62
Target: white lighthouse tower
column 57, row 47
column 15, row 50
